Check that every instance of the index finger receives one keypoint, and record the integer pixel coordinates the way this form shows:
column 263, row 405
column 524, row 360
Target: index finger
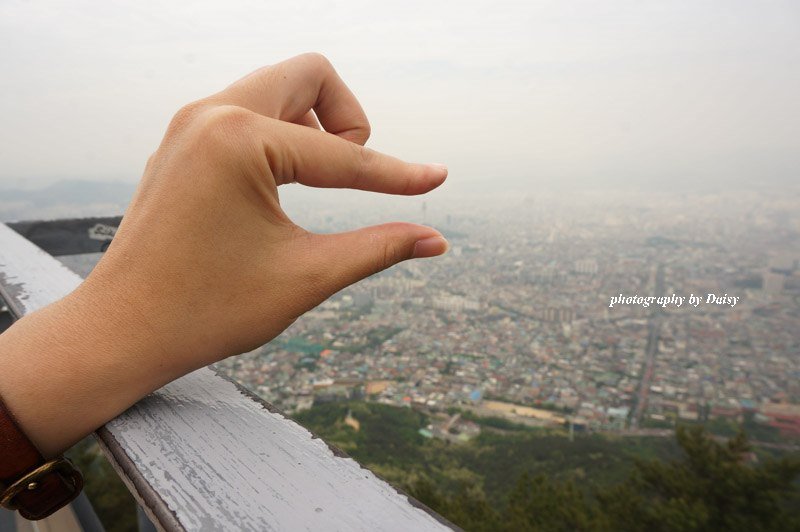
column 319, row 159
column 288, row 90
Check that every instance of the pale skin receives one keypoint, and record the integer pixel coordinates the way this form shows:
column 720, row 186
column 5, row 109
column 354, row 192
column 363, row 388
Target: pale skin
column 206, row 264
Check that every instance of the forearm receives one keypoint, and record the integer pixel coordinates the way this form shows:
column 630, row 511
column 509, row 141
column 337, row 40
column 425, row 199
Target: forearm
column 206, row 264
column 77, row 363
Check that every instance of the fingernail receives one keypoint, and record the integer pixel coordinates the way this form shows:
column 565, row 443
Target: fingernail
column 438, row 166
column 430, row 247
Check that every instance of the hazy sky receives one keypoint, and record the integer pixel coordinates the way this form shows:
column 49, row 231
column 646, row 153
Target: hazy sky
column 543, row 92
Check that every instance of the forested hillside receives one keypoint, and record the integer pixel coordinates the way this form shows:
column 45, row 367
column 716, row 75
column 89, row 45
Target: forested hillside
column 538, row 480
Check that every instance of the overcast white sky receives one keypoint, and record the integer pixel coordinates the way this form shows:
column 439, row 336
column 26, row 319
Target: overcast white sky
column 542, row 91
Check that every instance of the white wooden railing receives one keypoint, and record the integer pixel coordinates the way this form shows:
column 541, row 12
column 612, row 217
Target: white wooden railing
column 202, row 453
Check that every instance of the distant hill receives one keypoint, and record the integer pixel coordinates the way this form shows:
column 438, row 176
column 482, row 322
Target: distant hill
column 66, row 199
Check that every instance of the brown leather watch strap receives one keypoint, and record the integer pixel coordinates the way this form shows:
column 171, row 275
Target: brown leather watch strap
column 29, row 483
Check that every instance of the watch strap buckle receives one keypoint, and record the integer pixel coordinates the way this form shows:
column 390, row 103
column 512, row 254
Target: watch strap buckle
column 43, row 490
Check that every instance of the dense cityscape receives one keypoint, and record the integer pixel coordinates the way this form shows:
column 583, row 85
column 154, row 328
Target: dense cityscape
column 586, row 339
column 518, row 321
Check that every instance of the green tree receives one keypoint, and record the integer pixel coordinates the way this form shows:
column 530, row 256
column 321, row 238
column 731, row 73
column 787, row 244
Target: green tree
column 537, row 503
column 535, row 480
column 712, row 487
column 468, row 507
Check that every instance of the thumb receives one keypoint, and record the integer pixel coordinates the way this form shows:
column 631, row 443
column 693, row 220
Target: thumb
column 351, row 256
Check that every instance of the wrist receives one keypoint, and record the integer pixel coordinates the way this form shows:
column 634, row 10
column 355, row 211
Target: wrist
column 78, row 363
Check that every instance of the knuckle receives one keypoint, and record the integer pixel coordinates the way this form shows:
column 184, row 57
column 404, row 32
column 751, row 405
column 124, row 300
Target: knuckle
column 361, row 135
column 224, row 126
column 318, row 60
column 151, row 161
column 406, row 187
column 387, row 256
column 185, row 116
column 227, row 117
column 281, row 155
column 210, row 124
column 363, row 160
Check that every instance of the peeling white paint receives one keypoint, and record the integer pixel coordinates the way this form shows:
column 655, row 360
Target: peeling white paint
column 233, row 464
column 218, row 458
column 32, row 277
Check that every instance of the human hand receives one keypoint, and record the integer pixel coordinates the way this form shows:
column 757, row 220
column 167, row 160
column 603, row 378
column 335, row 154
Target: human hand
column 205, row 249
column 205, row 263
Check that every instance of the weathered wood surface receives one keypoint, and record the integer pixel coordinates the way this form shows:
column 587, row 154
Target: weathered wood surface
column 29, row 277
column 202, row 454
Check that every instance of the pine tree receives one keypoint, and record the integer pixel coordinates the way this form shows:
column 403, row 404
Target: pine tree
column 541, row 504
column 711, row 488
